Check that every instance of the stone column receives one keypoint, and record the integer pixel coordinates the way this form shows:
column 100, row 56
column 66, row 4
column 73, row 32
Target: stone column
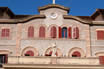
column 18, row 39
column 88, row 39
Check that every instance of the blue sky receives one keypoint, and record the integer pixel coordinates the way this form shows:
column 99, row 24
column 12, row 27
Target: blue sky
column 77, row 7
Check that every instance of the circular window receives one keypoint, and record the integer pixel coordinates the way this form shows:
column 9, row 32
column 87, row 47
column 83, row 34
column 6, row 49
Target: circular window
column 53, row 15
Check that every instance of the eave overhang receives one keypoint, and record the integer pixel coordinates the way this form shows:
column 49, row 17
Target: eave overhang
column 24, row 20
column 77, row 19
column 53, row 6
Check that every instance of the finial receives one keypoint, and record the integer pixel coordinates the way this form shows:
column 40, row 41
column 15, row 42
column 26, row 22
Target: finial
column 53, row 1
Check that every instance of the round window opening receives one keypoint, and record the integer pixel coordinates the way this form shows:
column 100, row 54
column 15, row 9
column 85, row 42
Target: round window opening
column 54, row 15
column 76, row 54
column 29, row 53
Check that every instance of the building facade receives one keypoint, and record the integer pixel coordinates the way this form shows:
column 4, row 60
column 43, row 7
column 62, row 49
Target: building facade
column 52, row 39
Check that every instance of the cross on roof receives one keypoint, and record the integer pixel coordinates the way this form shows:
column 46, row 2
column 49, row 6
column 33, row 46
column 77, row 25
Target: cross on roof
column 53, row 1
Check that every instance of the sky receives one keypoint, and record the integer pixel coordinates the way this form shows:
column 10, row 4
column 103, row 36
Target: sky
column 30, row 7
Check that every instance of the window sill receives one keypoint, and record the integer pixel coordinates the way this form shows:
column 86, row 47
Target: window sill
column 54, row 39
column 5, row 38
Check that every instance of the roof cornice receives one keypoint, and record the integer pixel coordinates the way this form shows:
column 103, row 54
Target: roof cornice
column 53, row 6
column 78, row 19
column 24, row 20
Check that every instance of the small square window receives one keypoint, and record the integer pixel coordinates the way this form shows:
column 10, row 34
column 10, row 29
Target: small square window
column 100, row 35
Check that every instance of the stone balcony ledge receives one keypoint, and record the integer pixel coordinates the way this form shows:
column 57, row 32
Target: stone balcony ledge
column 53, row 60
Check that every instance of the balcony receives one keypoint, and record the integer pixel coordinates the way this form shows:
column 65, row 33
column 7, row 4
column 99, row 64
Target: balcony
column 51, row 62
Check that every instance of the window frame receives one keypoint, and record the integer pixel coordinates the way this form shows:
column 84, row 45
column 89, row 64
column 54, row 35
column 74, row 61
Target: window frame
column 66, row 32
column 5, row 37
column 75, row 32
column 40, row 35
column 51, row 32
column 29, row 33
column 97, row 34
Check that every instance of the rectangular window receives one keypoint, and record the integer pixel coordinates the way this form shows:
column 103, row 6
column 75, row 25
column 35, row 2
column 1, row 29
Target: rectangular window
column 101, row 59
column 100, row 35
column 5, row 33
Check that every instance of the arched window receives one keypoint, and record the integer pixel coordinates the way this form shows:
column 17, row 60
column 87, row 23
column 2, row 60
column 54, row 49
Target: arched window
column 29, row 53
column 5, row 33
column 42, row 32
column 31, row 32
column 76, row 54
column 64, row 32
column 53, row 32
column 76, row 33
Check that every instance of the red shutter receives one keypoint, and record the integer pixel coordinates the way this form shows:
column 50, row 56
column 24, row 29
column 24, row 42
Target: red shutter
column 5, row 33
column 74, row 33
column 101, row 59
column 53, row 32
column 31, row 32
column 60, row 32
column 42, row 32
column 69, row 32
column 77, row 33
column 100, row 35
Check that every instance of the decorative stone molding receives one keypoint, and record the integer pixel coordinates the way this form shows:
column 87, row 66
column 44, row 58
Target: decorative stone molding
column 99, row 54
column 29, row 48
column 76, row 49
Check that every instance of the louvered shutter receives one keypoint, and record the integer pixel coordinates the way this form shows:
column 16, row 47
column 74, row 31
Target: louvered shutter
column 100, row 35
column 7, row 32
column 3, row 33
column 74, row 33
column 77, row 33
column 101, row 59
column 69, row 32
column 53, row 32
column 60, row 32
column 42, row 32
column 31, row 32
